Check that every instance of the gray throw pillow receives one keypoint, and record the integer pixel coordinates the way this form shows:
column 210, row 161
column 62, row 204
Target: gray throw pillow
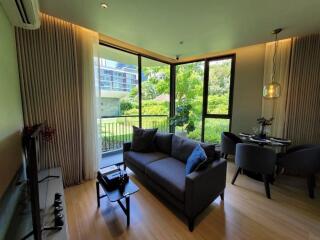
column 142, row 139
column 163, row 142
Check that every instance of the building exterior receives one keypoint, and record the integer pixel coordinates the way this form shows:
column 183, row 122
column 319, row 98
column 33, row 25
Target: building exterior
column 116, row 81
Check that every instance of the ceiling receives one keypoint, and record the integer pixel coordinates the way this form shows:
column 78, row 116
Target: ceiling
column 203, row 25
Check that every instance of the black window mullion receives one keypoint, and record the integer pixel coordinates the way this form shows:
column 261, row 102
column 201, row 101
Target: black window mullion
column 140, row 90
column 205, row 97
column 172, row 94
column 233, row 66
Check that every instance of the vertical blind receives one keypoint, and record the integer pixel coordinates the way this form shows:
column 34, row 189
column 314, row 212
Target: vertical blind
column 50, row 92
column 303, row 100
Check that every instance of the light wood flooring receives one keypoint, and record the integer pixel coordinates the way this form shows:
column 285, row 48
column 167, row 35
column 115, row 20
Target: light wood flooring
column 245, row 213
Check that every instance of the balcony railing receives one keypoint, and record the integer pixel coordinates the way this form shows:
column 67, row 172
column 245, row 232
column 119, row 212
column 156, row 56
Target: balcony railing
column 116, row 130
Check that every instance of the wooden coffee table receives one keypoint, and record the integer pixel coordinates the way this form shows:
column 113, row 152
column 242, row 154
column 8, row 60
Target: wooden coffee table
column 116, row 195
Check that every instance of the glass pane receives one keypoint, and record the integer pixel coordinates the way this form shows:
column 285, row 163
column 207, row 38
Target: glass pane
column 219, row 86
column 155, row 94
column 118, row 79
column 115, row 131
column 213, row 128
column 189, row 92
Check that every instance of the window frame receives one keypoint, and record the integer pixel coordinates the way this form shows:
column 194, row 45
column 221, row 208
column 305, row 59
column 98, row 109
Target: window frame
column 205, row 114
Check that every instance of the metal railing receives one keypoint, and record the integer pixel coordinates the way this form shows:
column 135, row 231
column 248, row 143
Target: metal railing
column 115, row 130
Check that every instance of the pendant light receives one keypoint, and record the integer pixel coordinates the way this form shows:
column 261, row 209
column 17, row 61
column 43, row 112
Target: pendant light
column 272, row 90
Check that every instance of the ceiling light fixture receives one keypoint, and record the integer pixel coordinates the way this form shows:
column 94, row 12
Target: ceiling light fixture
column 104, row 5
column 272, row 90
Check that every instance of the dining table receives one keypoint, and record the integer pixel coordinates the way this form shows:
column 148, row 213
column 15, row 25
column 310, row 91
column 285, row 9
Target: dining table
column 265, row 141
column 278, row 144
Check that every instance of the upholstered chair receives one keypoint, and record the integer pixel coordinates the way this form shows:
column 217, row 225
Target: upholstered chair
column 228, row 144
column 255, row 159
column 305, row 161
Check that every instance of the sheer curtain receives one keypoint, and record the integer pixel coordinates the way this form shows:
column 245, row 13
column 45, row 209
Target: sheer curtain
column 87, row 43
column 276, row 108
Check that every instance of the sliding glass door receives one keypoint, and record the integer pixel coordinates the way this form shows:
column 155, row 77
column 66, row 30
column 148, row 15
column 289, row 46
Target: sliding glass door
column 119, row 97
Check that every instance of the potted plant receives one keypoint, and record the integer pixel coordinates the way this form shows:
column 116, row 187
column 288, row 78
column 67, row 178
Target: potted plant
column 182, row 119
column 263, row 122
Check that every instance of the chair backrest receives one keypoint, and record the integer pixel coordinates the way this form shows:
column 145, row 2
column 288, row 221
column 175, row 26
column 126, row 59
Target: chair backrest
column 305, row 161
column 255, row 158
column 301, row 147
column 228, row 142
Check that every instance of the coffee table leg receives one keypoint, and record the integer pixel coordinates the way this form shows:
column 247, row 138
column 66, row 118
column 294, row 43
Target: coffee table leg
column 98, row 193
column 128, row 210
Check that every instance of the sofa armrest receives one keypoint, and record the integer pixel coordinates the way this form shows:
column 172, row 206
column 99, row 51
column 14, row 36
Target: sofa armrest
column 202, row 187
column 126, row 146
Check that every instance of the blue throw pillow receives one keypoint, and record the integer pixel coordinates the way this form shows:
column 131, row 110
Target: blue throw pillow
column 197, row 157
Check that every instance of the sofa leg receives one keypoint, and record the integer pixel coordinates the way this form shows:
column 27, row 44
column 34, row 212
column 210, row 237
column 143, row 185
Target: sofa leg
column 266, row 185
column 191, row 224
column 311, row 185
column 222, row 196
column 236, row 175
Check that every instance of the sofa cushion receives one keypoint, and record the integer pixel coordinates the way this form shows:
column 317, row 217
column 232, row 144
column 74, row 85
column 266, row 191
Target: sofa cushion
column 183, row 147
column 196, row 158
column 163, row 142
column 169, row 173
column 143, row 139
column 140, row 160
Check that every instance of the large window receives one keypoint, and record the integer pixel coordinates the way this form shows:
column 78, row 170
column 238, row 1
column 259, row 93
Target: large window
column 119, row 97
column 218, row 97
column 203, row 94
column 189, row 97
column 155, row 92
column 193, row 99
column 219, row 86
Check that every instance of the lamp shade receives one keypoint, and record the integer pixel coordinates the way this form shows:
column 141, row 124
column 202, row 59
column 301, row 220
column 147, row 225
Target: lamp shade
column 271, row 90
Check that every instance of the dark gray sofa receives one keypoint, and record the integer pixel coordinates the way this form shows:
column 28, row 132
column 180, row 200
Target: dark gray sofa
column 164, row 170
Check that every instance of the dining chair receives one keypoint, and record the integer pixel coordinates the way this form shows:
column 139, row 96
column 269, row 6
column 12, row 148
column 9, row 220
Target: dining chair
column 228, row 144
column 305, row 160
column 255, row 159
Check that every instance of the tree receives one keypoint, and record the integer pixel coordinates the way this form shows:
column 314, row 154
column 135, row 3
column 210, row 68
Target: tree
column 189, row 91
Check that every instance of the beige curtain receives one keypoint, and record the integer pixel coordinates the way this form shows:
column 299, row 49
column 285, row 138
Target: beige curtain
column 303, row 101
column 276, row 108
column 53, row 78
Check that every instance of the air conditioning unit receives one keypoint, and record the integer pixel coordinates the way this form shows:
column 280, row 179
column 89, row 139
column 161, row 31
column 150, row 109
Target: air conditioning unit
column 22, row 13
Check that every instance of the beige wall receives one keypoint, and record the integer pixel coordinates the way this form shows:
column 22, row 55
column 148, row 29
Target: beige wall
column 248, row 84
column 11, row 121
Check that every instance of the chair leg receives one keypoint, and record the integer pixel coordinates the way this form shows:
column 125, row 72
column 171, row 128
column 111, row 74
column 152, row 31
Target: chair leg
column 191, row 224
column 278, row 170
column 266, row 185
column 222, row 196
column 236, row 175
column 311, row 185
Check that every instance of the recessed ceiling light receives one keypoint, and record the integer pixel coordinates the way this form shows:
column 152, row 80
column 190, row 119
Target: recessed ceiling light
column 104, row 5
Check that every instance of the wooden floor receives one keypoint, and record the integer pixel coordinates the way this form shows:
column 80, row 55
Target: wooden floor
column 245, row 214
